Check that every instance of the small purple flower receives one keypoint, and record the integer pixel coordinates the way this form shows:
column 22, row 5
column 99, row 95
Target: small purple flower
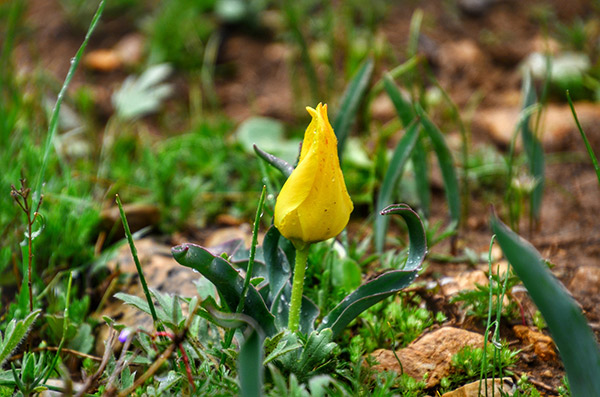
column 124, row 335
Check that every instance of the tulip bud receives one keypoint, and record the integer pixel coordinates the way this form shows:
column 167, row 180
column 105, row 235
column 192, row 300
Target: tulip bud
column 314, row 204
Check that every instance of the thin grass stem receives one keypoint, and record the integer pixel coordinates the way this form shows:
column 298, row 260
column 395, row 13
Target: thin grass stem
column 136, row 260
column 584, row 137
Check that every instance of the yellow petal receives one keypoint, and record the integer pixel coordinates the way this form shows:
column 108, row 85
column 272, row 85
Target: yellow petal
column 314, row 204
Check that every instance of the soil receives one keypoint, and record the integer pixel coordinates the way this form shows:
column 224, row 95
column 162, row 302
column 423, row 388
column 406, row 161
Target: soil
column 472, row 51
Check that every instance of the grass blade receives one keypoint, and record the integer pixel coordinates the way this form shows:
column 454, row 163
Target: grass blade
column 446, row 165
column 573, row 337
column 352, row 97
column 53, row 126
column 584, row 137
column 390, row 181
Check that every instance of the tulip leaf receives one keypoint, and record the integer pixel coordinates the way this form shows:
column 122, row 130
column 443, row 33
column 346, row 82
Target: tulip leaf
column 280, row 288
column 416, row 234
column 533, row 148
column 387, row 283
column 278, row 267
column 403, row 108
column 309, row 311
column 228, row 282
column 250, row 366
column 364, row 297
column 446, row 164
column 349, row 104
column 573, row 337
column 283, row 166
column 419, row 161
column 390, row 181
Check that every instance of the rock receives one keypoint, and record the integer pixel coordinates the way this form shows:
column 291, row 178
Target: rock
column 382, row 108
column 475, row 7
column 103, row 60
column 431, row 354
column 504, row 387
column 223, row 235
column 586, row 281
column 161, row 272
column 543, row 345
column 557, row 127
column 464, row 281
column 130, row 49
column 127, row 52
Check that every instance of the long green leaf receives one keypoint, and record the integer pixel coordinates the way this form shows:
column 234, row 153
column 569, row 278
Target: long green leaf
column 350, row 101
column 250, row 358
column 403, row 108
column 446, row 164
column 228, row 282
column 250, row 365
column 419, row 161
column 386, row 284
column 391, row 179
column 533, row 148
column 573, row 337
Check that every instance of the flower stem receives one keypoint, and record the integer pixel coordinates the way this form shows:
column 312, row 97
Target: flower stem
column 297, row 287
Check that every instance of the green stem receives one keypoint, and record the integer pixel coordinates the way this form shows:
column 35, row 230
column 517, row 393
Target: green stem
column 297, row 287
column 138, row 266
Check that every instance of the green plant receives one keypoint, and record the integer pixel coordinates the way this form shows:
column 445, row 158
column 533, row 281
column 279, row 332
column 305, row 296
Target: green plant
column 477, row 301
column 476, row 363
column 404, row 321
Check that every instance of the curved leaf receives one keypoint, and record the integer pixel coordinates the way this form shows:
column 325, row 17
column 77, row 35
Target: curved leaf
column 416, row 234
column 349, row 105
column 364, row 297
column 573, row 337
column 390, row 181
column 446, row 164
column 227, row 280
column 386, row 284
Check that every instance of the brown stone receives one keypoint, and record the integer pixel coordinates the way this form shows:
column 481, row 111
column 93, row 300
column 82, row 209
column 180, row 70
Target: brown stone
column 543, row 346
column 557, row 126
column 504, row 387
column 104, row 60
column 431, row 354
column 586, row 281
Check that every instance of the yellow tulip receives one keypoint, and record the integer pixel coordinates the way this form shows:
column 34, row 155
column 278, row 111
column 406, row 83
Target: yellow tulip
column 314, row 204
